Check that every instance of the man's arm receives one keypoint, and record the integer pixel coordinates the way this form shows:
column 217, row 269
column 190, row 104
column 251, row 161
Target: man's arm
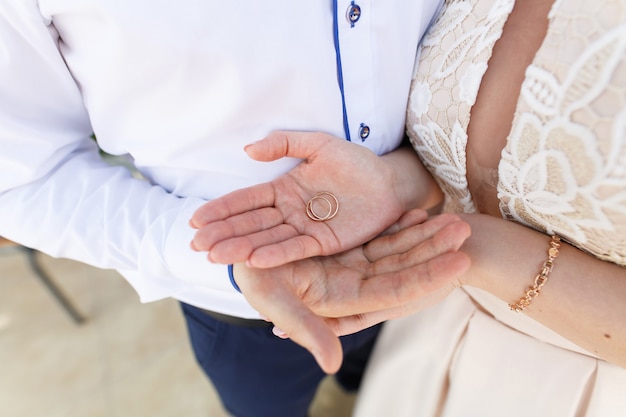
column 56, row 193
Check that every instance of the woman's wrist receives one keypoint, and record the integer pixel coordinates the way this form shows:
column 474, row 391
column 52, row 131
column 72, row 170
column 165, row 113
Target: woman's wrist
column 505, row 255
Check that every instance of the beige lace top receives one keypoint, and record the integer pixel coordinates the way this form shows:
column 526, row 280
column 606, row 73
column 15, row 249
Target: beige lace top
column 563, row 169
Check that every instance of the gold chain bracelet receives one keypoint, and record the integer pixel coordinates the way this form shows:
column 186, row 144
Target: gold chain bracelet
column 541, row 278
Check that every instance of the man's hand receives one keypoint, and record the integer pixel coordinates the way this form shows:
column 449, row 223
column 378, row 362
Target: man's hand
column 266, row 225
column 315, row 300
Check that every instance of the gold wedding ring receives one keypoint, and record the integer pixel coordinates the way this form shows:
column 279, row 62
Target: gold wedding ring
column 324, row 202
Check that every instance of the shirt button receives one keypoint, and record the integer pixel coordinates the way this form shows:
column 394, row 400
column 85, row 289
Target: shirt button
column 364, row 131
column 354, row 13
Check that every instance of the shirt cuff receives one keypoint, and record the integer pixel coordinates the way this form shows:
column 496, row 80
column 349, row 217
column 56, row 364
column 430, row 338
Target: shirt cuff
column 231, row 275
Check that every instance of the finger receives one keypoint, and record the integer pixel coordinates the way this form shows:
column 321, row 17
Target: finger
column 347, row 325
column 233, row 203
column 397, row 288
column 294, row 249
column 280, row 144
column 408, row 219
column 301, row 325
column 277, row 246
column 342, row 326
column 408, row 238
column 311, row 332
column 239, row 249
column 238, row 225
column 449, row 238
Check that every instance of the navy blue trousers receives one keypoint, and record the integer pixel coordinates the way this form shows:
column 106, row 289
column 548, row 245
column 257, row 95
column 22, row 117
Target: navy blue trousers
column 257, row 374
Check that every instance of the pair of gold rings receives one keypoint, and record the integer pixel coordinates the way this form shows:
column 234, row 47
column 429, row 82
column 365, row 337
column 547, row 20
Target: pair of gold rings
column 323, row 202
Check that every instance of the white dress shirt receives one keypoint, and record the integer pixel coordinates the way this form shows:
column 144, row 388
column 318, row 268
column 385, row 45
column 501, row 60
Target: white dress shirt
column 180, row 87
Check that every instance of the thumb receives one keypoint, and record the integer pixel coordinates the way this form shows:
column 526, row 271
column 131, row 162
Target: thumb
column 280, row 144
column 312, row 333
column 298, row 323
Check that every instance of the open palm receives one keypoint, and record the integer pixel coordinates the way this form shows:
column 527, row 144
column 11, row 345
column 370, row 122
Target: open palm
column 267, row 225
column 317, row 299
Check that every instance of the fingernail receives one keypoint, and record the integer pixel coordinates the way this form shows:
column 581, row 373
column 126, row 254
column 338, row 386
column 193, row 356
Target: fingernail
column 245, row 148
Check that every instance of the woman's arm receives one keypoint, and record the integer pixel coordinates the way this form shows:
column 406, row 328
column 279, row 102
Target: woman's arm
column 584, row 299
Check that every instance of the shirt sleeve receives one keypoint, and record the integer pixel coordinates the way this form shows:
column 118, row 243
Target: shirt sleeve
column 57, row 194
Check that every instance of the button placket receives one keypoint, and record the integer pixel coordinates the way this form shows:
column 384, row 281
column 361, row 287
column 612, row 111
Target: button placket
column 357, row 64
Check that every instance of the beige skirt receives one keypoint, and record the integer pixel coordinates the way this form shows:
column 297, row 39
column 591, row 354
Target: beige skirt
column 471, row 356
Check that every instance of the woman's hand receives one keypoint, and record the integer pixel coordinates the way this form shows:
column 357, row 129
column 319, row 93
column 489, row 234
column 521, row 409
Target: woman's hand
column 267, row 225
column 315, row 300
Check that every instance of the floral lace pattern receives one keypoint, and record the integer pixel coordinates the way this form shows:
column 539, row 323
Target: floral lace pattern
column 563, row 169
